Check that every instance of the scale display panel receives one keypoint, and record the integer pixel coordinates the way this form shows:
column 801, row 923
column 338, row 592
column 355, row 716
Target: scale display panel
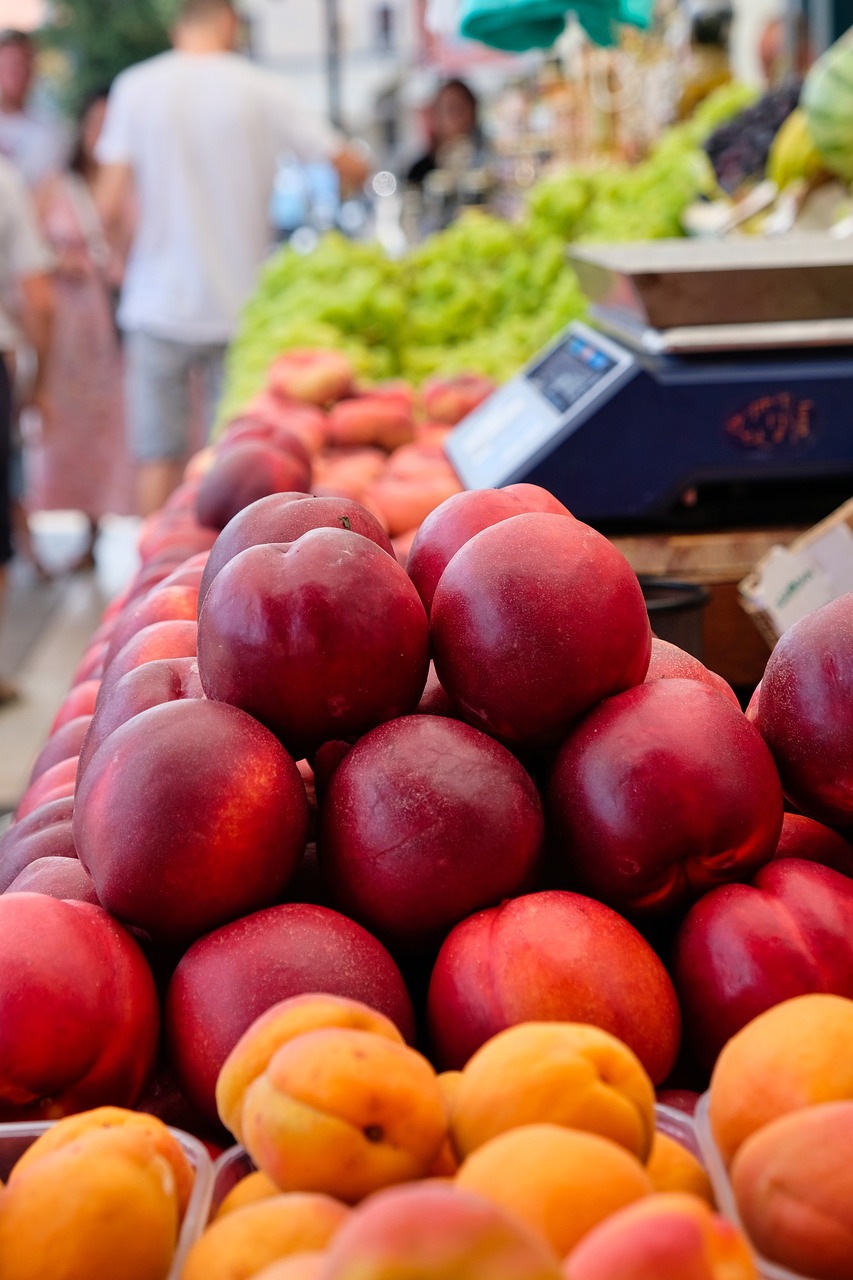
column 525, row 420
column 569, row 372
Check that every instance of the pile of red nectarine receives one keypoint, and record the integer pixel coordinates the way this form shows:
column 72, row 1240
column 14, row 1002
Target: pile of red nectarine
column 470, row 791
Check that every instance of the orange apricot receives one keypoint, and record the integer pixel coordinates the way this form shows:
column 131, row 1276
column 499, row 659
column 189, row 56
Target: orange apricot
column 289, row 1018
column 560, row 1073
column 796, row 1054
column 562, row 1182
column 242, row 1243
column 344, row 1112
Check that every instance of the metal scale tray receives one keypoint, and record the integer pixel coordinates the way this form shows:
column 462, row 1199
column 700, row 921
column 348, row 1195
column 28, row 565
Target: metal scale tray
column 694, row 296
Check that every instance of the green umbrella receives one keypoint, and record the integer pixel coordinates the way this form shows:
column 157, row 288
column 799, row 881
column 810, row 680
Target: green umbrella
column 518, row 25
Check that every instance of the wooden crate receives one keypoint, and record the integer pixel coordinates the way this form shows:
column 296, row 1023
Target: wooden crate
column 719, row 561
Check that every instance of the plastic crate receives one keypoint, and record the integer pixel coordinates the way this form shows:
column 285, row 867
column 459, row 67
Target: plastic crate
column 15, row 1139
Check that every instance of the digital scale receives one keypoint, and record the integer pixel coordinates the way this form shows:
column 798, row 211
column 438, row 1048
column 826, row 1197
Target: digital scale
column 715, row 390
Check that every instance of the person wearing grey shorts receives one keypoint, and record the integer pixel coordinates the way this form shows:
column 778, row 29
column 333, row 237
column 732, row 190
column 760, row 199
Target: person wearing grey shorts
column 196, row 135
column 159, row 384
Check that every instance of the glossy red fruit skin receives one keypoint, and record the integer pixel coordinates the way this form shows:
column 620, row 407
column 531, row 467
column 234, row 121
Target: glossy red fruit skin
column 162, row 604
column 457, row 521
column 158, row 642
column 661, row 794
column 78, row 1008
column 284, row 517
column 320, row 639
column 43, row 833
column 150, row 685
column 533, row 622
column 425, row 821
column 189, row 815
column 230, row 977
column 747, row 947
column 806, row 709
column 551, row 957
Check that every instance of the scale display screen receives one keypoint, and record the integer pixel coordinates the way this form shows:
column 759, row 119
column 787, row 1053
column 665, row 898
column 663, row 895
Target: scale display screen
column 528, row 415
column 570, row 371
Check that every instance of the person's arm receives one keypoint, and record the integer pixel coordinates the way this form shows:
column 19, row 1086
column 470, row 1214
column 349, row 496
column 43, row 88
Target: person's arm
column 353, row 169
column 113, row 196
column 30, row 266
column 311, row 138
column 37, row 313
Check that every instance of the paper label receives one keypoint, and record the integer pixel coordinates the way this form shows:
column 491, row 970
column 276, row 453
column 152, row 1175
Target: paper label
column 833, row 553
column 792, row 585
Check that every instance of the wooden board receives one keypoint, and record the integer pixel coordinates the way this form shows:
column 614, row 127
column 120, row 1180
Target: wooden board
column 733, row 646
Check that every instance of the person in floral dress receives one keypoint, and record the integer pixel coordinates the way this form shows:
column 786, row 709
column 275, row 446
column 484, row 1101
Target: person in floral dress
column 80, row 462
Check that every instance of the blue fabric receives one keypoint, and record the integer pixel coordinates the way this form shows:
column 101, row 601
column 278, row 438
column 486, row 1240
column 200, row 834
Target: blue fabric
column 518, row 25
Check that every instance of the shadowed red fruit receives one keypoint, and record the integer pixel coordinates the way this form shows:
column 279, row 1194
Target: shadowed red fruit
column 284, row 517
column 267, row 432
column 533, row 622
column 435, row 700
column 79, row 702
column 311, row 375
column 244, row 473
column 55, row 783
column 372, row 419
column 452, row 399
column 425, row 821
column 747, row 947
column 91, row 665
column 668, row 662
column 160, row 641
column 456, row 522
column 228, row 979
column 813, row 842
column 552, row 957
column 151, row 685
column 661, row 794
column 78, row 1009
column 65, row 744
column 58, row 878
column 806, row 710
column 163, row 604
column 323, row 638
column 44, row 833
column 189, row 815
column 305, row 421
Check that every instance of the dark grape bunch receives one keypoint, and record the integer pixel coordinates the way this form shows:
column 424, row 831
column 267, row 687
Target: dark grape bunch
column 739, row 149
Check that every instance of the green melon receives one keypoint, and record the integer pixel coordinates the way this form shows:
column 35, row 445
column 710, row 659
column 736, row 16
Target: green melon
column 827, row 100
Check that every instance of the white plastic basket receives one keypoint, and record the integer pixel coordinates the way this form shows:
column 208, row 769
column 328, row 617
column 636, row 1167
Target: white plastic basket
column 724, row 1193
column 15, row 1139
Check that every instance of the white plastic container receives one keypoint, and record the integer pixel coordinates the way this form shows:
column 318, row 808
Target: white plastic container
column 724, row 1193
column 15, row 1139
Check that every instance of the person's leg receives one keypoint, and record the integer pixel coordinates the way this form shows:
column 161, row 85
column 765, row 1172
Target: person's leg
column 158, row 414
column 85, row 562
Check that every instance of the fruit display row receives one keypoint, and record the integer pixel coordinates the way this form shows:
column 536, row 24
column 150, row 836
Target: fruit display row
column 544, row 1158
column 469, row 791
column 484, row 295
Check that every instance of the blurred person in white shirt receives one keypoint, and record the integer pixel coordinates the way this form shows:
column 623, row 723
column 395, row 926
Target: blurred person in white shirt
column 196, row 136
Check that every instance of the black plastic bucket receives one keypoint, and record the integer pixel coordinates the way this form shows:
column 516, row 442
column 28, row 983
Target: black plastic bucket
column 676, row 611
